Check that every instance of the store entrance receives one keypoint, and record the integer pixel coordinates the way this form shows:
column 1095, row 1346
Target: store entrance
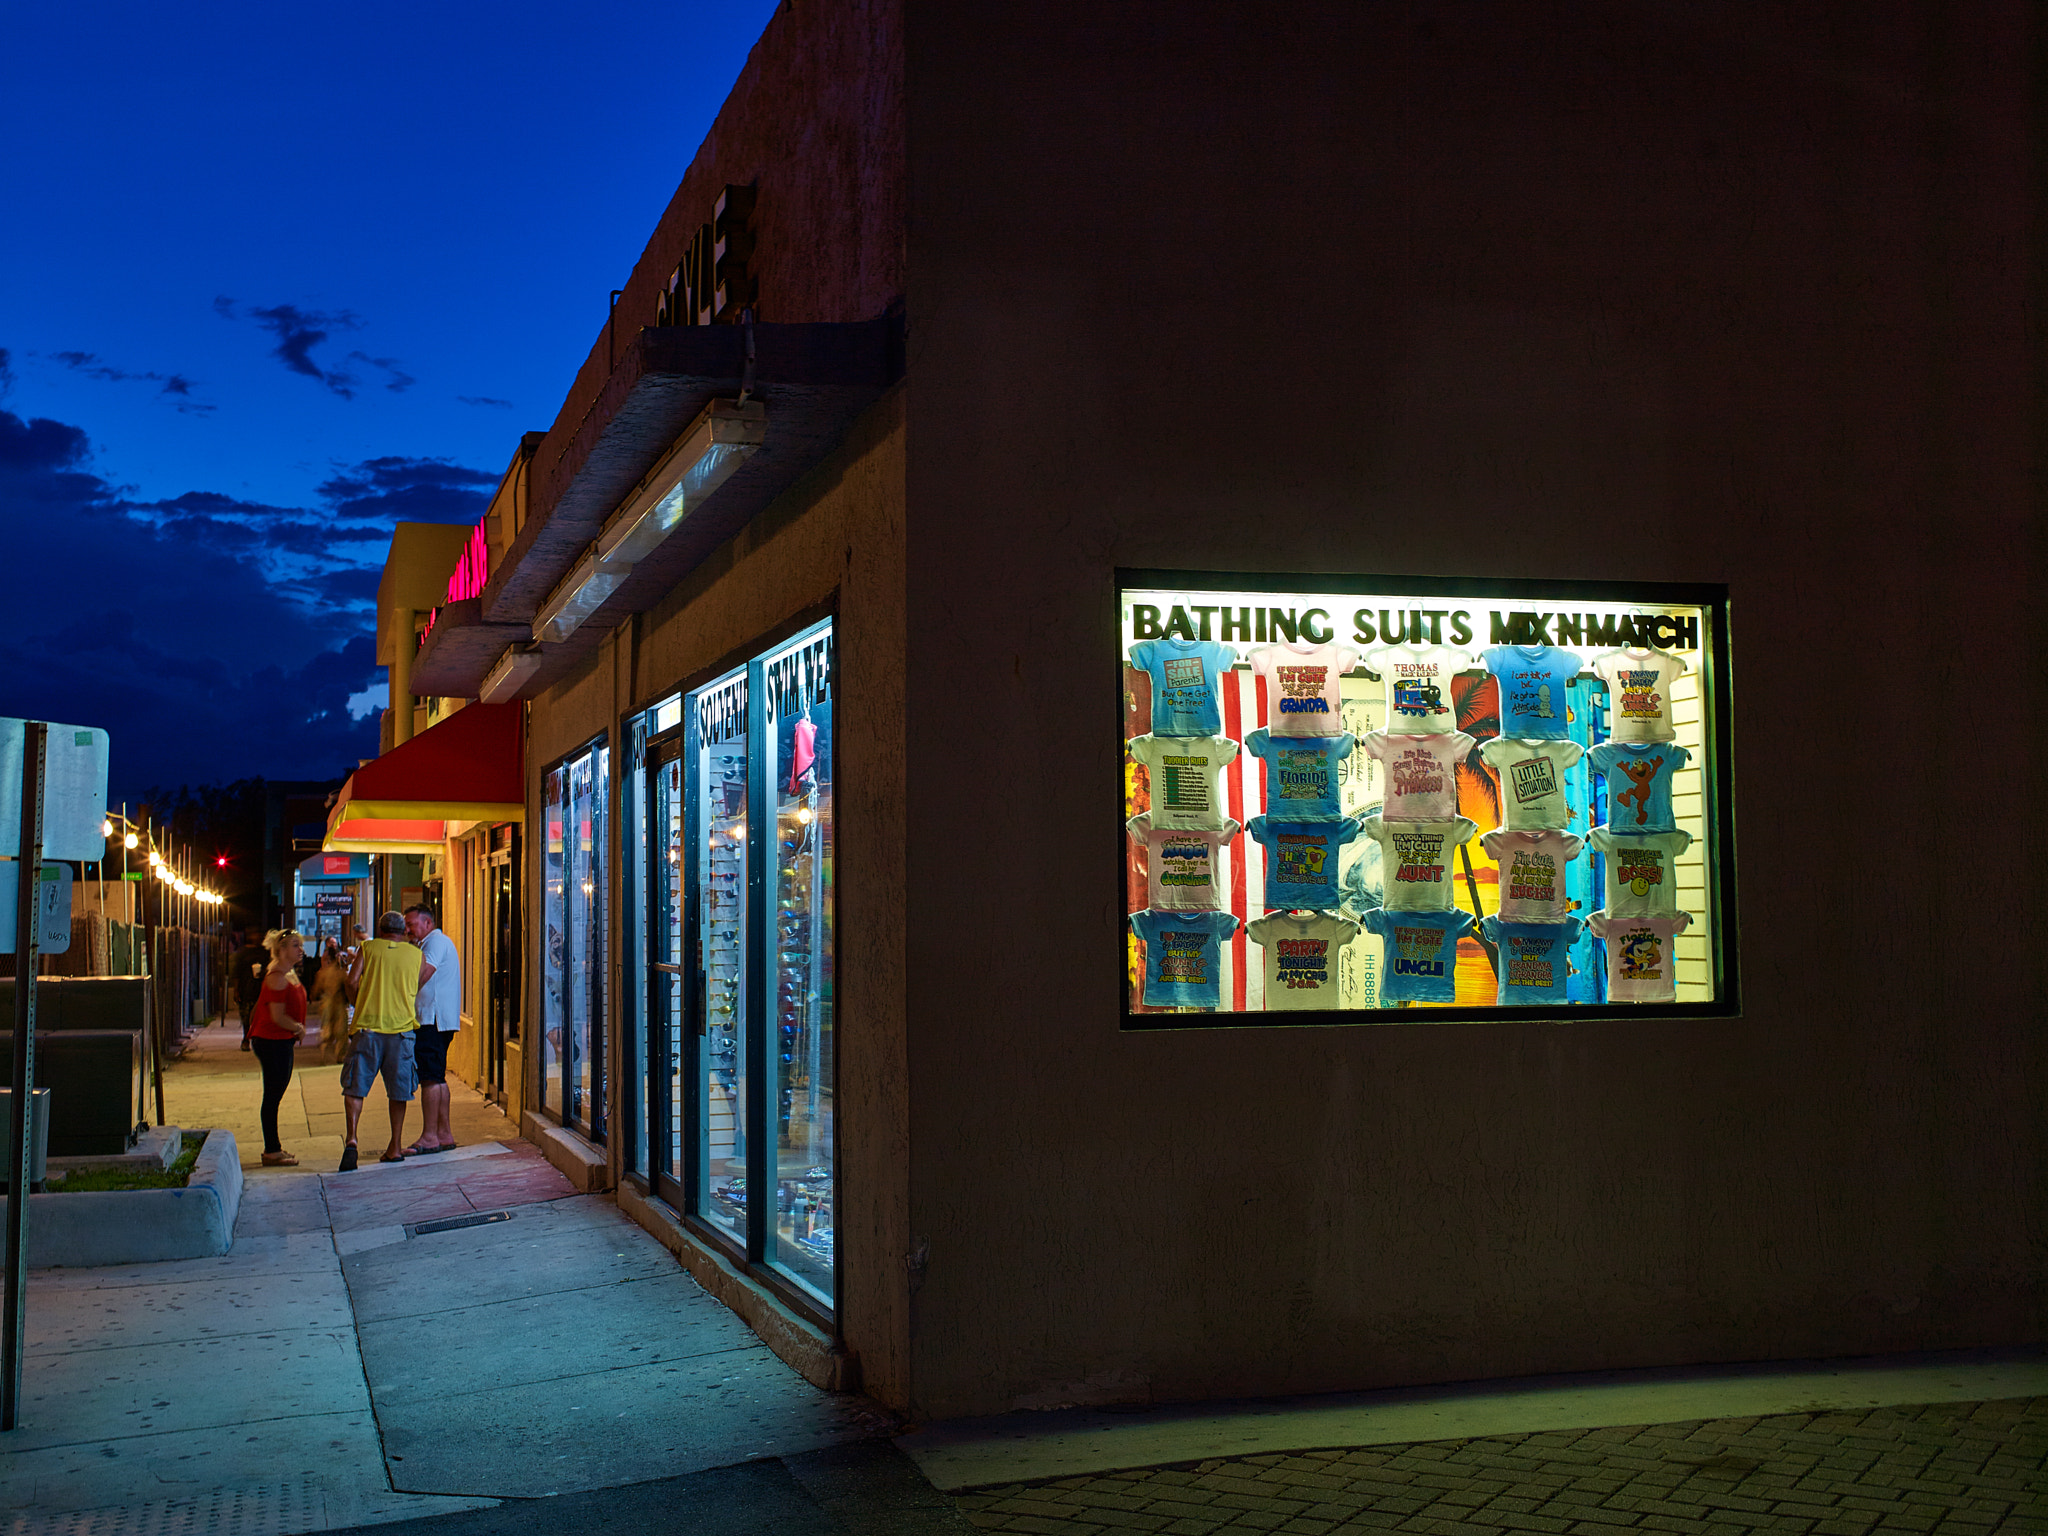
column 501, row 955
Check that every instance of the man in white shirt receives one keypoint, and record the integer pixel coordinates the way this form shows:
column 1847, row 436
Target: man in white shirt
column 440, row 1015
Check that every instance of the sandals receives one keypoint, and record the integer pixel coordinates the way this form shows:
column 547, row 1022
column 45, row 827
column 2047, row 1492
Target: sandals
column 386, row 1157
column 348, row 1158
column 279, row 1160
column 418, row 1150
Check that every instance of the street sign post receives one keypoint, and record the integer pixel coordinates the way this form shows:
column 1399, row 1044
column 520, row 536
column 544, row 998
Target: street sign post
column 28, row 817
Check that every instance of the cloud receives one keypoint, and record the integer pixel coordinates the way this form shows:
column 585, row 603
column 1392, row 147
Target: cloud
column 174, row 384
column 391, row 490
column 490, row 400
column 298, row 332
column 6, row 373
column 398, row 381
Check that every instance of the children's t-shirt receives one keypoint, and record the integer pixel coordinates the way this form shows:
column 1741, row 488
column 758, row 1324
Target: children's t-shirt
column 1184, row 770
column 1183, row 956
column 1182, row 869
column 1301, row 957
column 1532, row 682
column 1639, row 693
column 1416, row 861
column 1642, row 873
column 1184, row 676
column 1642, row 960
column 1422, row 953
column 1531, row 864
column 1639, row 783
column 1422, row 773
column 1531, row 959
column 1301, row 773
column 1418, row 680
column 1301, row 860
column 1532, row 780
column 1301, row 686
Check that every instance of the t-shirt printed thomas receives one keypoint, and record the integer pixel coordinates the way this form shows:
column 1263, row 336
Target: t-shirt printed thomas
column 1532, row 960
column 1183, row 771
column 1184, row 675
column 1183, row 956
column 1421, row 963
column 1532, row 873
column 1532, row 780
column 1639, row 784
column 1642, row 874
column 1533, row 679
column 1301, row 957
column 1642, row 960
column 1416, row 860
column 1302, row 691
column 1422, row 773
column 1301, row 860
column 1418, row 680
column 1639, row 693
column 1302, row 780
column 1182, row 867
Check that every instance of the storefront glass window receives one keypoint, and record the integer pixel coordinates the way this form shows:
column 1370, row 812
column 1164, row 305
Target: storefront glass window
column 554, row 937
column 573, row 974
column 719, row 763
column 633, row 810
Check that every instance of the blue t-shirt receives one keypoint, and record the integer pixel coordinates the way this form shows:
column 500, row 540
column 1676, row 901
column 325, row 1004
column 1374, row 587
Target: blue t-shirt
column 1639, row 784
column 1301, row 860
column 1532, row 959
column 1301, row 773
column 1422, row 953
column 1184, row 674
column 1183, row 956
column 1532, row 681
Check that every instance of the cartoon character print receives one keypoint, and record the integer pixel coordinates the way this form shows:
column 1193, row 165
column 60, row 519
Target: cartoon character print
column 1642, row 957
column 1642, row 776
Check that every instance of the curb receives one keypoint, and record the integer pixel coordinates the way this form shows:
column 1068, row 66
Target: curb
column 142, row 1226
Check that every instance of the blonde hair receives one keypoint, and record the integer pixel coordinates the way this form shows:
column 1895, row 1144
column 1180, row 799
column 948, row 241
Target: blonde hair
column 277, row 938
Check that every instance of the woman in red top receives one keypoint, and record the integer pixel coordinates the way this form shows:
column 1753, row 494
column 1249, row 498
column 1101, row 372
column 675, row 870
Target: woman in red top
column 280, row 1022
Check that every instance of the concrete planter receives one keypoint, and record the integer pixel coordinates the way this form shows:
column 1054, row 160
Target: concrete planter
column 141, row 1226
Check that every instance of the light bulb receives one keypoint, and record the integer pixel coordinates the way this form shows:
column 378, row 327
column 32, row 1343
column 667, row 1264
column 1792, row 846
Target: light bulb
column 106, row 828
column 803, row 814
column 130, row 841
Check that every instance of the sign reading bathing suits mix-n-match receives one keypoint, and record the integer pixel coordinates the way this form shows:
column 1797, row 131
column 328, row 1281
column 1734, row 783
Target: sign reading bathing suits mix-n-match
column 1422, row 801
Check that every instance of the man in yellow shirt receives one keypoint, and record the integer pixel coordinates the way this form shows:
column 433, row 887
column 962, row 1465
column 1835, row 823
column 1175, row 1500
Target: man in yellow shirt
column 385, row 987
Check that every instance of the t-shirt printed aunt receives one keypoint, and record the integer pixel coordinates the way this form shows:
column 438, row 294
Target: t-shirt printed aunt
column 1416, row 860
column 1183, row 956
column 1421, row 963
column 1639, row 784
column 1182, row 866
column 1532, row 780
column 1301, row 957
column 1532, row 873
column 1422, row 773
column 1531, row 960
column 1639, row 693
column 1642, row 872
column 1533, row 679
column 1184, row 771
column 1184, row 677
column 1418, row 680
column 1302, row 776
column 1302, row 697
column 1301, row 860
column 1642, row 959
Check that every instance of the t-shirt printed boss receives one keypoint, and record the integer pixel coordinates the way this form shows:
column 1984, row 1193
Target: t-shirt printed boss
column 1301, row 860
column 1639, row 693
column 1642, row 874
column 1182, row 869
column 1642, row 961
column 1418, row 680
column 1532, row 780
column 1183, row 771
column 1184, row 678
column 1533, row 679
column 1183, row 956
column 1302, row 691
column 1301, row 957
column 1532, row 870
column 1422, row 773
column 1301, row 773
column 1639, row 783
column 1421, row 963
column 1415, row 860
column 1532, row 960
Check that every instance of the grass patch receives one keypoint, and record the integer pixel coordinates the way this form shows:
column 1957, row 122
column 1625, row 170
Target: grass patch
column 95, row 1180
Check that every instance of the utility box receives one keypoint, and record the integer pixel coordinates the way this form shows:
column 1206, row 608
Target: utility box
column 39, row 1155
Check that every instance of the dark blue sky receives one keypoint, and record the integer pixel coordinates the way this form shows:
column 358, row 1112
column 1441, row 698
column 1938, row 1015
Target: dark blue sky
column 274, row 279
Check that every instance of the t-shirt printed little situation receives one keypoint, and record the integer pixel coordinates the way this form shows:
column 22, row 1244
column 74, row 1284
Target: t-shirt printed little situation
column 1642, row 874
column 1301, row 687
column 1301, row 860
column 1416, row 860
column 1184, row 675
column 1301, row 957
column 1183, row 956
column 1301, row 773
column 1639, row 783
column 1418, row 680
column 1532, row 682
column 1642, row 960
column 1532, row 959
column 1182, row 869
column 1422, row 773
column 1183, row 771
column 1532, row 780
column 1422, row 953
column 1531, row 864
column 1639, row 693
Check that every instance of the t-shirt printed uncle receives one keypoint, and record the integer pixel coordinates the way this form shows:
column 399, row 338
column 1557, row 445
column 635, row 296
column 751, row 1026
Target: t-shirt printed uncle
column 1642, row 873
column 1418, row 680
column 1642, row 959
column 1415, row 860
column 1532, row 780
column 1639, row 693
column 1532, row 681
column 1532, row 869
column 1301, row 860
column 1182, row 867
column 1301, row 957
column 1532, row 959
column 1639, row 783
column 1184, row 683
column 1301, row 773
column 1421, row 953
column 1302, row 690
column 1184, row 770
column 1422, row 773
column 1183, row 956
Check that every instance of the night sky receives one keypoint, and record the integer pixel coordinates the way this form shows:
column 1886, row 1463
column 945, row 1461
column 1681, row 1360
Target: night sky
column 274, row 279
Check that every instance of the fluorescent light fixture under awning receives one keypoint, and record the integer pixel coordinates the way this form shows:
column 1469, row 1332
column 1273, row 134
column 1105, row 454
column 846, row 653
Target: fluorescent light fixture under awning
column 509, row 673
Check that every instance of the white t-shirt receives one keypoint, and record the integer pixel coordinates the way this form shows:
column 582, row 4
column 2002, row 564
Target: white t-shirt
column 1416, row 861
column 1422, row 773
column 1642, row 874
column 439, row 1005
column 1531, row 865
column 1639, row 693
column 1418, row 680
column 1182, row 870
column 1302, row 697
column 1301, row 957
column 1642, row 955
column 1183, row 770
column 1532, row 782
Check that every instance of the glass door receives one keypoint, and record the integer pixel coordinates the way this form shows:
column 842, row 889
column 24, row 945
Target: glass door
column 668, row 1026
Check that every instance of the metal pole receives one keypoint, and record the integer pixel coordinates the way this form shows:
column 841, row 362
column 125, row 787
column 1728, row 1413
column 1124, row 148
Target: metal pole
column 28, row 873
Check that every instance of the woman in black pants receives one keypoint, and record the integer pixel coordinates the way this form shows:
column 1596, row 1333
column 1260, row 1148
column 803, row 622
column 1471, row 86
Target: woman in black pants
column 280, row 1021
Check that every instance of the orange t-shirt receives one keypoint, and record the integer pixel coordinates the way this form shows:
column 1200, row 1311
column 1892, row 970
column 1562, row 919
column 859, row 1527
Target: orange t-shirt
column 292, row 995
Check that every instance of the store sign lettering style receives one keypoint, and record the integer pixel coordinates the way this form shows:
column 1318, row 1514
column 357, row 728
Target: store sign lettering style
column 1413, row 626
column 714, row 281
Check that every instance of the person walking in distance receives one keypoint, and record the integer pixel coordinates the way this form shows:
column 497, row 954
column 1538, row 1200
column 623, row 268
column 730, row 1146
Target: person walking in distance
column 440, row 1014
column 247, row 967
column 279, row 1025
column 385, row 987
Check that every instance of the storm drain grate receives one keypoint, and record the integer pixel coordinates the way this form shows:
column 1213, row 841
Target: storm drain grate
column 455, row 1223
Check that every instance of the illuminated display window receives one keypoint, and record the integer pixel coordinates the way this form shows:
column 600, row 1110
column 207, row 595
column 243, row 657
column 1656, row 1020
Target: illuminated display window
column 1381, row 800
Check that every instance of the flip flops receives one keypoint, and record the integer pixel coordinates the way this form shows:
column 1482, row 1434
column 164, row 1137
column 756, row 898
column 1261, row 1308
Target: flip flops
column 386, row 1157
column 348, row 1158
column 279, row 1160
column 417, row 1150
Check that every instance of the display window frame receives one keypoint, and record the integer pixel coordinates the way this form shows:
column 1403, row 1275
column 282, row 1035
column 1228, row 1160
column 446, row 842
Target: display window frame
column 587, row 1113
column 1478, row 598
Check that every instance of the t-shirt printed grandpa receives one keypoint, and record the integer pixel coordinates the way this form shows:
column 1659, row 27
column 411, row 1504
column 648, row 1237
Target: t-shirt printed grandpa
column 1639, row 783
column 1532, row 873
column 1301, row 860
column 1415, row 860
column 1533, row 679
column 1183, row 956
column 1642, row 873
column 1302, row 691
column 1532, row 780
column 1184, row 683
column 1639, row 693
column 1182, row 867
column 1183, row 771
column 1418, row 680
column 1301, row 957
column 1642, row 958
column 1421, row 953
column 1422, row 773
column 1532, row 959
column 1301, row 773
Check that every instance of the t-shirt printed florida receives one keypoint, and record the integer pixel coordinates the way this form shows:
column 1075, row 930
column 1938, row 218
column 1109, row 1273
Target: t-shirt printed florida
column 1532, row 960
column 1416, row 860
column 1184, row 683
column 1301, row 860
column 1532, row 780
column 1184, row 771
column 1183, row 956
column 1642, row 872
column 1639, row 783
column 1422, row 773
column 1302, row 780
column 1418, row 680
column 1301, row 957
column 1532, row 871
column 1642, row 959
column 1421, row 963
column 1302, row 697
column 1532, row 681
column 1639, row 693
column 1182, row 866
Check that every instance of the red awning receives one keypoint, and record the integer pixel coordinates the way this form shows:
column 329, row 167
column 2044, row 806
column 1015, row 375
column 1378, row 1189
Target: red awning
column 469, row 767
